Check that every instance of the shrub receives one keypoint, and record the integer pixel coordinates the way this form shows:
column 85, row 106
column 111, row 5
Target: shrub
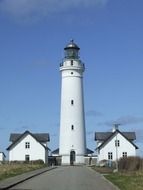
column 131, row 163
column 36, row 162
column 40, row 162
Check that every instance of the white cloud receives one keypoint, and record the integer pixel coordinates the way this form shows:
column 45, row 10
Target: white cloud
column 129, row 120
column 43, row 8
column 124, row 120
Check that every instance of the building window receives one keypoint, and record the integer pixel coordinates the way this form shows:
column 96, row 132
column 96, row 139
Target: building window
column 110, row 156
column 27, row 157
column 72, row 102
column 71, row 62
column 124, row 154
column 117, row 143
column 27, row 145
column 72, row 127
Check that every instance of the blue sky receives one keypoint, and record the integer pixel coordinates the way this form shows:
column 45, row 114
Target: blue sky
column 33, row 35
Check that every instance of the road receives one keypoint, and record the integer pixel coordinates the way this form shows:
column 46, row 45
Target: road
column 67, row 178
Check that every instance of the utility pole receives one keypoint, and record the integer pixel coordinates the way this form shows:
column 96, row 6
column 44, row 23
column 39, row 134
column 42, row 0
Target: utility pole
column 116, row 125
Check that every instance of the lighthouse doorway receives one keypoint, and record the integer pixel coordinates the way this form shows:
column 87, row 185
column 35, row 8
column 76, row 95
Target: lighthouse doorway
column 72, row 157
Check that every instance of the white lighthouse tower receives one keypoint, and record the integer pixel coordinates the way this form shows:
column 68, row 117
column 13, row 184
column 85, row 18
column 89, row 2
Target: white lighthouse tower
column 72, row 146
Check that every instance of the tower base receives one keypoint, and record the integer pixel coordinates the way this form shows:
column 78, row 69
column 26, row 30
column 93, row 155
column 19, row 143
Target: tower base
column 69, row 160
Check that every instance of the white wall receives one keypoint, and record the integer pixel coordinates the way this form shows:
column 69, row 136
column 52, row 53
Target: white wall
column 2, row 158
column 36, row 150
column 125, row 146
column 72, row 89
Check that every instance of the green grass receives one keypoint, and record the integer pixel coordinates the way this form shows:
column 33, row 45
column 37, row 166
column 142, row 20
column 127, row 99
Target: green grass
column 124, row 180
column 127, row 181
column 10, row 170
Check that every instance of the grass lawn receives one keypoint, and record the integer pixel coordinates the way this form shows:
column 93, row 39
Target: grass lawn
column 127, row 181
column 124, row 180
column 9, row 170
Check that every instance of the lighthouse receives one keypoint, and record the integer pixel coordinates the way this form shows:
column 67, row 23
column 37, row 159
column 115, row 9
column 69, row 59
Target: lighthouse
column 72, row 145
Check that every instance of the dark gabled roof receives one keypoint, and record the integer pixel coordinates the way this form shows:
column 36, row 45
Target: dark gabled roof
column 102, row 136
column 126, row 135
column 40, row 137
column 88, row 151
column 55, row 151
column 72, row 45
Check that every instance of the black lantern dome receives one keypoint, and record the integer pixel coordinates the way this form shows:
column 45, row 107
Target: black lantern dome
column 71, row 50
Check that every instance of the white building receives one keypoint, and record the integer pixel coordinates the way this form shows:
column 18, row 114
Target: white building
column 114, row 145
column 72, row 145
column 28, row 146
column 2, row 157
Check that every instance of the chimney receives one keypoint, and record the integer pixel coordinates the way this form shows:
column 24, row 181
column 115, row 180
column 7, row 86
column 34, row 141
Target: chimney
column 115, row 127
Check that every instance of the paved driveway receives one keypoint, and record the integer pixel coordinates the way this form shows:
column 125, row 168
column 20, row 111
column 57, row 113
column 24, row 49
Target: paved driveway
column 67, row 178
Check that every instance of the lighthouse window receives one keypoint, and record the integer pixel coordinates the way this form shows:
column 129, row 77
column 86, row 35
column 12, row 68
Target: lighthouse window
column 71, row 73
column 72, row 102
column 72, row 127
column 71, row 62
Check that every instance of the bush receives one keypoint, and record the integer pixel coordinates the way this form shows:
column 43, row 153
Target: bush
column 36, row 162
column 40, row 162
column 131, row 163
